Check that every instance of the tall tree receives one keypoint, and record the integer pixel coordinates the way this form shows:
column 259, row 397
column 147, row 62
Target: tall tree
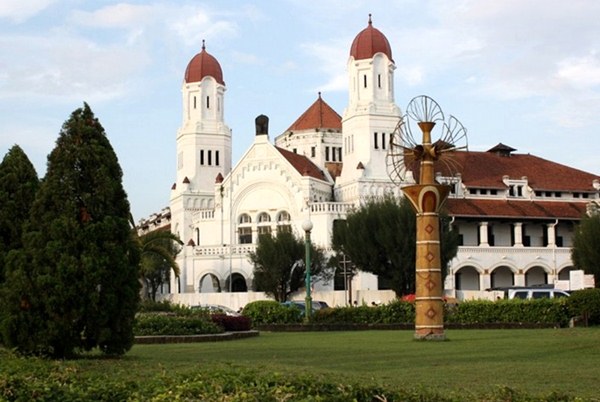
column 75, row 284
column 279, row 264
column 380, row 238
column 586, row 246
column 18, row 185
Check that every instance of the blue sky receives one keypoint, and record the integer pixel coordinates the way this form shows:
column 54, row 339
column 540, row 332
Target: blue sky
column 522, row 72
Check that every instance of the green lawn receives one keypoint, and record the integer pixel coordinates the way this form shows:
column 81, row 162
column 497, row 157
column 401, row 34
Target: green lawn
column 533, row 361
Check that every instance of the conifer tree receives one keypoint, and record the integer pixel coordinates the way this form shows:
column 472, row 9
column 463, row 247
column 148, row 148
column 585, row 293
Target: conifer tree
column 75, row 285
column 18, row 184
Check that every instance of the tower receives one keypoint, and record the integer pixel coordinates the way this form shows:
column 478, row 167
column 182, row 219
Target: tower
column 371, row 115
column 203, row 142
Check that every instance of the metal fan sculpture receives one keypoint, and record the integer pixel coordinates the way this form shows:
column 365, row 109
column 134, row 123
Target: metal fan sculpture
column 405, row 153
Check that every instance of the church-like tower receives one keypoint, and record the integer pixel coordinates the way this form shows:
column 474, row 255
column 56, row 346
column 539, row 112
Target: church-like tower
column 370, row 117
column 203, row 142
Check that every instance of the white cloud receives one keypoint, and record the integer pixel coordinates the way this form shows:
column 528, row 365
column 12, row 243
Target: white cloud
column 581, row 72
column 329, row 58
column 120, row 15
column 21, row 10
column 53, row 67
column 195, row 24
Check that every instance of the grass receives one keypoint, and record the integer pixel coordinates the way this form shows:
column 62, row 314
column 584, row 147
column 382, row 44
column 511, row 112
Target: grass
column 534, row 361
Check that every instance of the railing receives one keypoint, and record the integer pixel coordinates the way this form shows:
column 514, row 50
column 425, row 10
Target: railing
column 339, row 207
column 205, row 214
column 224, row 251
column 514, row 250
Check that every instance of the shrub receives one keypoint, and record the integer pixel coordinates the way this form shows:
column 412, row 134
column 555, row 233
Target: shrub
column 164, row 305
column 170, row 324
column 231, row 323
column 263, row 312
column 586, row 303
column 539, row 311
column 395, row 312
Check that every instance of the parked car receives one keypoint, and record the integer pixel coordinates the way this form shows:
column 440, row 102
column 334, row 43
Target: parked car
column 217, row 309
column 535, row 293
column 301, row 305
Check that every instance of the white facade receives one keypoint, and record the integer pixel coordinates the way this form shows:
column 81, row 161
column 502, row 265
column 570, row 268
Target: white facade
column 320, row 172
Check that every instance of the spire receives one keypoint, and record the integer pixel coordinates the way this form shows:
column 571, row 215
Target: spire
column 370, row 22
column 204, row 45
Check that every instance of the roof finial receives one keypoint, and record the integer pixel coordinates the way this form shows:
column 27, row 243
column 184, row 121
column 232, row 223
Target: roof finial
column 203, row 45
column 319, row 94
column 370, row 22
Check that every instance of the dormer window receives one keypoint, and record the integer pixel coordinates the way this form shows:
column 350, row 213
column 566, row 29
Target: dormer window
column 515, row 191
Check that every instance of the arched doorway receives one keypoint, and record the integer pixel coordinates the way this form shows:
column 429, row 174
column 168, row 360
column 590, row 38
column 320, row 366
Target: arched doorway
column 502, row 277
column 536, row 276
column 209, row 284
column 466, row 278
column 238, row 283
column 564, row 274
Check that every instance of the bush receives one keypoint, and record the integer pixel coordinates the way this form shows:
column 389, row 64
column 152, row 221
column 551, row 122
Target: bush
column 263, row 312
column 539, row 311
column 231, row 323
column 170, row 324
column 586, row 303
column 165, row 306
column 395, row 312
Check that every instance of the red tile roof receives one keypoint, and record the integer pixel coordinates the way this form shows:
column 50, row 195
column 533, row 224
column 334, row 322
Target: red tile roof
column 319, row 115
column 475, row 208
column 302, row 164
column 203, row 65
column 486, row 170
column 369, row 42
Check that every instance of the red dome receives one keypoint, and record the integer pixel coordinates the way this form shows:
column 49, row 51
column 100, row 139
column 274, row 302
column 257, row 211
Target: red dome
column 368, row 42
column 203, row 65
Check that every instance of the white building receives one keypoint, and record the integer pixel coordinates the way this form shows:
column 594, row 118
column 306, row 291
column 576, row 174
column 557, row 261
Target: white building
column 515, row 212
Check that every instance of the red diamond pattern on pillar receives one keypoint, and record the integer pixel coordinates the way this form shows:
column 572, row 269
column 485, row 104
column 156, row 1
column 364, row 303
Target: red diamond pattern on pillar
column 430, row 256
column 429, row 229
column 430, row 284
column 431, row 313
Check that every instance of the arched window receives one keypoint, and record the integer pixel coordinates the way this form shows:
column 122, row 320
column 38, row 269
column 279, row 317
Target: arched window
column 245, row 229
column 264, row 223
column 264, row 217
column 283, row 222
column 244, row 218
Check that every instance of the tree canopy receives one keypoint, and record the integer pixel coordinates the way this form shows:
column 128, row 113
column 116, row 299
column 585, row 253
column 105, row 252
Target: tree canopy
column 586, row 246
column 74, row 285
column 18, row 185
column 380, row 238
column 279, row 264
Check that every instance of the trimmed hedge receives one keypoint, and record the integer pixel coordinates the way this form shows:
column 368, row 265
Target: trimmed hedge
column 231, row 323
column 263, row 312
column 539, row 311
column 170, row 324
column 545, row 312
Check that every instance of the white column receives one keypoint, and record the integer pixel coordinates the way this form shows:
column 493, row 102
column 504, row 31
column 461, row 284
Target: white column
column 551, row 234
column 483, row 234
column 518, row 233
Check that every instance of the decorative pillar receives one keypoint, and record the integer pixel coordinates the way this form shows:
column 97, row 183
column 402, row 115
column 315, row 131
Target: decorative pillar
column 427, row 197
column 307, row 227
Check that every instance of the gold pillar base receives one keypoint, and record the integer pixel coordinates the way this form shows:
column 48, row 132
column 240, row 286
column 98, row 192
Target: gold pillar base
column 430, row 335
